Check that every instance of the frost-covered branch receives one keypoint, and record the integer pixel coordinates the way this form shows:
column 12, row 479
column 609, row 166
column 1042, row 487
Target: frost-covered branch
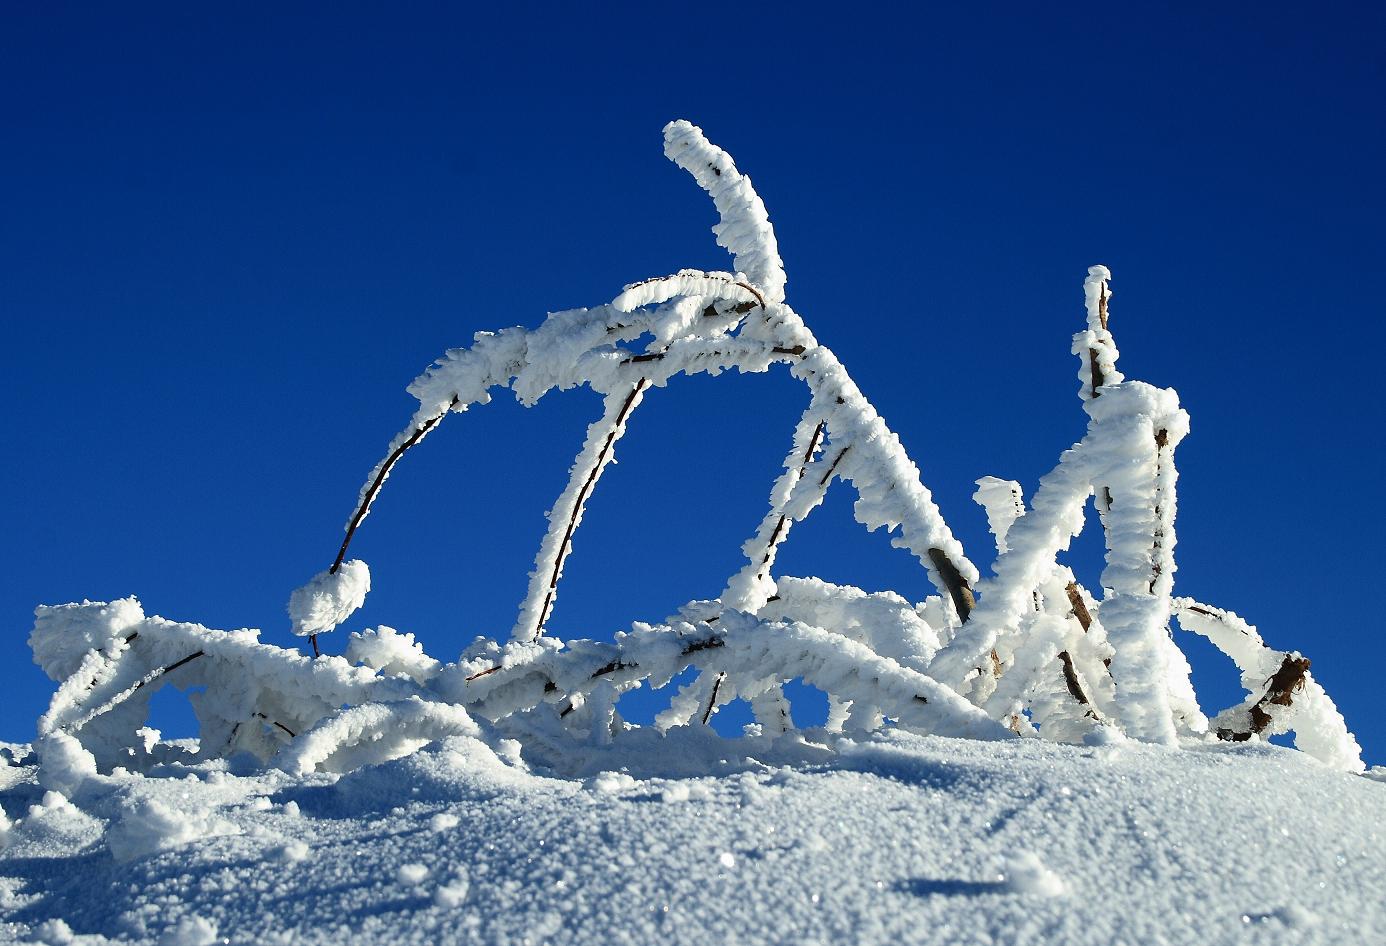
column 566, row 514
column 1029, row 651
column 745, row 226
column 1282, row 695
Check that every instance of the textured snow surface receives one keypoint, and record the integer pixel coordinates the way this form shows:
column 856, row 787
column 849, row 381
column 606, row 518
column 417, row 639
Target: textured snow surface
column 896, row 839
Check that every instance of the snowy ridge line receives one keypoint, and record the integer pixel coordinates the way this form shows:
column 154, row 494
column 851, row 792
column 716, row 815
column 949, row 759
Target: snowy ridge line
column 1029, row 651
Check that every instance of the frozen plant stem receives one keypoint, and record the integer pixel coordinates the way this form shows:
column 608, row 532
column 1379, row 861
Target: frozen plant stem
column 613, row 433
column 981, row 659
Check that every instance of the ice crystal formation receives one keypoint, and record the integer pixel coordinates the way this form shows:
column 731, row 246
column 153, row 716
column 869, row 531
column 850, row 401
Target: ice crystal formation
column 1028, row 652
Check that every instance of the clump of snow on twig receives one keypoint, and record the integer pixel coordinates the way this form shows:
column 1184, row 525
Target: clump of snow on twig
column 329, row 598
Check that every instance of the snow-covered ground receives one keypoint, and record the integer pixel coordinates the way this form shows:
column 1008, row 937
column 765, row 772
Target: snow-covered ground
column 889, row 839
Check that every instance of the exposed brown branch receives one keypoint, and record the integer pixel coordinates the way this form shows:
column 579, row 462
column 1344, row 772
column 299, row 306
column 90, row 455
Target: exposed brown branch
column 753, row 291
column 953, row 582
column 1280, row 689
column 708, row 644
column 1075, row 685
column 1079, row 606
column 1095, row 369
column 1097, row 378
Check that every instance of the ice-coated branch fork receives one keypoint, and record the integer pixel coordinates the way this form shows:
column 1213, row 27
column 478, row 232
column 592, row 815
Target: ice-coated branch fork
column 1027, row 652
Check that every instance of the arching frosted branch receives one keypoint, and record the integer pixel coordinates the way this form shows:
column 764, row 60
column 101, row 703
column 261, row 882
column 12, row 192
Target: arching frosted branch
column 745, row 228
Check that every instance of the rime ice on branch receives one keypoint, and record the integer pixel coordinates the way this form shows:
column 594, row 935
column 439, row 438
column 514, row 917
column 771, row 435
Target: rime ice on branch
column 1028, row 652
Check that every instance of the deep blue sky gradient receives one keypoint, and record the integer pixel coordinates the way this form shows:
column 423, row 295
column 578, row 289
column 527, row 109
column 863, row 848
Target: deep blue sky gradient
column 229, row 239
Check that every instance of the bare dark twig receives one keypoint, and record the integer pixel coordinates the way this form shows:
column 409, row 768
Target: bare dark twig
column 777, row 534
column 712, row 702
column 566, row 545
column 419, row 433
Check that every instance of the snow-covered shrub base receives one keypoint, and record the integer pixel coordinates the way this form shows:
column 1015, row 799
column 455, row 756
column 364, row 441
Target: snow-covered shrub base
column 1028, row 651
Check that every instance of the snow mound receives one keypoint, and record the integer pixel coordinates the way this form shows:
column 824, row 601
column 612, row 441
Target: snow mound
column 898, row 838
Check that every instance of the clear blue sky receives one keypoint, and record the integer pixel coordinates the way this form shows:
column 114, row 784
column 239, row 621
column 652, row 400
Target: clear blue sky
column 228, row 241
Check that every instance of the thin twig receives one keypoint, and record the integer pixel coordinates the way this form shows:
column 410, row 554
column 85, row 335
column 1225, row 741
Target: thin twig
column 276, row 724
column 169, row 669
column 833, row 469
column 419, row 433
column 1158, row 537
column 712, row 703
column 778, row 533
column 795, row 350
column 566, row 545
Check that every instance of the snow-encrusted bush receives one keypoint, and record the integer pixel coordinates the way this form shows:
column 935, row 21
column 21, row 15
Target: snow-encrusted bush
column 1027, row 652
